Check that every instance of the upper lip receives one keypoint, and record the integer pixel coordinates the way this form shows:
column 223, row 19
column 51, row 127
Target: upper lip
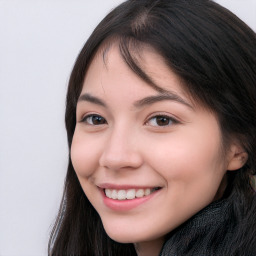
column 128, row 186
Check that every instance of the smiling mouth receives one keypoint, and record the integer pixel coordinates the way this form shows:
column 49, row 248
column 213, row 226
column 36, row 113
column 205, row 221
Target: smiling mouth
column 122, row 194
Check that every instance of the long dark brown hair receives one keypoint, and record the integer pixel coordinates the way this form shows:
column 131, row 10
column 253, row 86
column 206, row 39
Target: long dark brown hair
column 214, row 53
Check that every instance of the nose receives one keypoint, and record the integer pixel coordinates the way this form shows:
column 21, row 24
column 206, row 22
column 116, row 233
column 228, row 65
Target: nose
column 121, row 150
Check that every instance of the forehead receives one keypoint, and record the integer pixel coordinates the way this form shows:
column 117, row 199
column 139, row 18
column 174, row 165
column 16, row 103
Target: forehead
column 109, row 79
column 142, row 62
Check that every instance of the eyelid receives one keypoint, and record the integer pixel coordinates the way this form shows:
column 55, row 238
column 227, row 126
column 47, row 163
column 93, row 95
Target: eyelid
column 87, row 115
column 175, row 120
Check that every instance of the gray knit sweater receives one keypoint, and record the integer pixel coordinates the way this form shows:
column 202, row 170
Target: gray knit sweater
column 195, row 237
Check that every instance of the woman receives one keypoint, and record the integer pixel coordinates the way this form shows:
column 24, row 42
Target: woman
column 161, row 128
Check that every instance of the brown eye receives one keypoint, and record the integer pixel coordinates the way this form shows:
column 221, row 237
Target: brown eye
column 94, row 120
column 161, row 120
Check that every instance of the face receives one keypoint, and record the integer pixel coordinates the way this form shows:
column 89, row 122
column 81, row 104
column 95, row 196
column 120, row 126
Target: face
column 146, row 160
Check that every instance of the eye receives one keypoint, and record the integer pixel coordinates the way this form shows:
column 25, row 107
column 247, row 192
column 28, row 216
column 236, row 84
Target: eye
column 161, row 120
column 94, row 119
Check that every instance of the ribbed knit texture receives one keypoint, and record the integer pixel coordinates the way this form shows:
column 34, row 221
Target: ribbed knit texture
column 194, row 236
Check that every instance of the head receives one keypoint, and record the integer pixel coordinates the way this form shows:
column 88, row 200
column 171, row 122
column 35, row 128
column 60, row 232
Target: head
column 194, row 54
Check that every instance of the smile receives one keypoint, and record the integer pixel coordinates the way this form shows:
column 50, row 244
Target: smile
column 129, row 193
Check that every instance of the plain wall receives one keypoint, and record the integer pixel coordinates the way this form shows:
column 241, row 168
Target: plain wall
column 39, row 41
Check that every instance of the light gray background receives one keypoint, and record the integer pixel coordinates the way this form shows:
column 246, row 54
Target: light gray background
column 39, row 41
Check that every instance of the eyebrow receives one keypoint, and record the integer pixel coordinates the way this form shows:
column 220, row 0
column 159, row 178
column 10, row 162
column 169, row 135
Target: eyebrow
column 161, row 97
column 140, row 103
column 92, row 99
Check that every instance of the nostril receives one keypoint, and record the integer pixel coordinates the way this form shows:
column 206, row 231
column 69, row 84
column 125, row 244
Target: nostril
column 120, row 160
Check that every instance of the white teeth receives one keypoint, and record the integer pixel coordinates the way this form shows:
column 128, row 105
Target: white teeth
column 114, row 194
column 140, row 193
column 121, row 195
column 147, row 192
column 108, row 193
column 128, row 194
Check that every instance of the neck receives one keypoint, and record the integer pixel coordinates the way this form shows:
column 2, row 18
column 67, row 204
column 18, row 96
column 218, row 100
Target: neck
column 149, row 248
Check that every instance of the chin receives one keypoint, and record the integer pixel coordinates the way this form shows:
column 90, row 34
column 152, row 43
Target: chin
column 130, row 236
column 122, row 238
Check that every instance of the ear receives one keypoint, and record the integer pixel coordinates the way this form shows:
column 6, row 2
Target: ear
column 237, row 157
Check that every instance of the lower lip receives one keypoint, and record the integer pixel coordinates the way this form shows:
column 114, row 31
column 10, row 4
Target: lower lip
column 128, row 204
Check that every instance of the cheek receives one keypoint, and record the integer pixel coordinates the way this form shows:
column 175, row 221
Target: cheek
column 84, row 155
column 188, row 160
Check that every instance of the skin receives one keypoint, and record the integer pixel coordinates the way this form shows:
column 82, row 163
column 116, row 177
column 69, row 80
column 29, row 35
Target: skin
column 130, row 144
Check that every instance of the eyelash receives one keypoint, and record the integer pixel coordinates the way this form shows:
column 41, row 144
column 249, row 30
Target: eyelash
column 169, row 119
column 102, row 120
column 85, row 119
